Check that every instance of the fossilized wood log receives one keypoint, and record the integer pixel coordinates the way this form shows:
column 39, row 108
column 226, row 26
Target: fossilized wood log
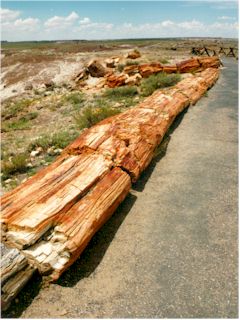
column 148, row 69
column 15, row 273
column 52, row 216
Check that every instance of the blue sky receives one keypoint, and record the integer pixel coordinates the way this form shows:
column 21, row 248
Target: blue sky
column 39, row 20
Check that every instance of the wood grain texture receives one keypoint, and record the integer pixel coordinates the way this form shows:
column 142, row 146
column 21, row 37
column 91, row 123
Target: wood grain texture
column 52, row 216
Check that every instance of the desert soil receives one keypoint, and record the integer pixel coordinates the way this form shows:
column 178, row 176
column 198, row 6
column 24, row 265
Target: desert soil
column 170, row 250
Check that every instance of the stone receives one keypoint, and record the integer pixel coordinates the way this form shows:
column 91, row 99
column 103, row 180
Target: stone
column 133, row 80
column 28, row 86
column 134, row 54
column 96, row 69
column 35, row 153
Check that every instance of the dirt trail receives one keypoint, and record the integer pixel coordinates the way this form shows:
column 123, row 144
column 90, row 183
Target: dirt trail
column 170, row 250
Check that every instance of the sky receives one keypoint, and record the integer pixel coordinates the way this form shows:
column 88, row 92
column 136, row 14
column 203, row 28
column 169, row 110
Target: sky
column 66, row 20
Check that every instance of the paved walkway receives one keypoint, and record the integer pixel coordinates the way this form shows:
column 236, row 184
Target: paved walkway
column 171, row 248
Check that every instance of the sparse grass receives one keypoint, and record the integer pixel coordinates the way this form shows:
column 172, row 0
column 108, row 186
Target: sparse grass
column 13, row 109
column 132, row 63
column 15, row 164
column 158, row 81
column 22, row 123
column 76, row 99
column 164, row 61
column 90, row 116
column 59, row 140
column 121, row 92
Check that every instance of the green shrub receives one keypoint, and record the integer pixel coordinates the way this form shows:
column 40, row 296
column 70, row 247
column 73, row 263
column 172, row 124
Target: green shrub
column 58, row 139
column 121, row 92
column 20, row 124
column 16, row 164
column 13, row 109
column 90, row 116
column 120, row 67
column 132, row 63
column 158, row 81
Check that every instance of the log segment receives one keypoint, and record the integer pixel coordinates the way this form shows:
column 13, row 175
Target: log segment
column 148, row 69
column 52, row 216
column 15, row 273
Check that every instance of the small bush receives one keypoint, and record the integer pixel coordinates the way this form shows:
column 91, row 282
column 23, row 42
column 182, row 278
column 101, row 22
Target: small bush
column 120, row 67
column 158, row 81
column 132, row 63
column 90, row 116
column 59, row 140
column 13, row 109
column 16, row 164
column 21, row 124
column 121, row 92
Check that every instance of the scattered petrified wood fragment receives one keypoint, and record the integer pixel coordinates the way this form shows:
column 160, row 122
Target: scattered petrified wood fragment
column 96, row 69
column 52, row 216
column 113, row 80
column 134, row 54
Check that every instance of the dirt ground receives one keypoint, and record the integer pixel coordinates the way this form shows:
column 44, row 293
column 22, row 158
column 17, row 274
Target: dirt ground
column 170, row 250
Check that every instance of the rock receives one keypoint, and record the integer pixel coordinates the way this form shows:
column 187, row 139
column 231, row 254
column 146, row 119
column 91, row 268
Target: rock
column 40, row 149
column 134, row 54
column 29, row 165
column 50, row 151
column 49, row 85
column 8, row 181
column 39, row 107
column 133, row 80
column 57, row 151
column 28, row 86
column 96, row 69
column 110, row 63
column 82, row 75
column 34, row 153
column 63, row 312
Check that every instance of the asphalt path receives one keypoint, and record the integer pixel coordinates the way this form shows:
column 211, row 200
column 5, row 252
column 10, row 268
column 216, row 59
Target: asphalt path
column 171, row 249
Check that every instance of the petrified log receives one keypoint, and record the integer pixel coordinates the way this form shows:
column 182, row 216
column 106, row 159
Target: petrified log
column 148, row 69
column 51, row 217
column 15, row 273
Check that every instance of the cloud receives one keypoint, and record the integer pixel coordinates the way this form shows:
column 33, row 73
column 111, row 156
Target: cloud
column 85, row 21
column 8, row 15
column 29, row 24
column 226, row 18
column 61, row 22
column 71, row 26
